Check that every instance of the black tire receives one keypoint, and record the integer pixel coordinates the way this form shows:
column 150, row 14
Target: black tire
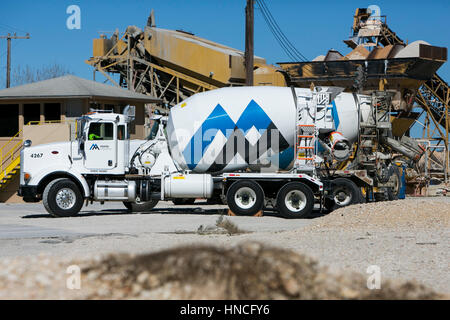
column 70, row 199
column 393, row 193
column 183, row 201
column 243, row 191
column 295, row 200
column 328, row 204
column 141, row 206
column 345, row 192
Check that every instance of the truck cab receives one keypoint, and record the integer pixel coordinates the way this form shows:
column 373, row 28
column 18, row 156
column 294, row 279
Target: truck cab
column 102, row 147
column 103, row 140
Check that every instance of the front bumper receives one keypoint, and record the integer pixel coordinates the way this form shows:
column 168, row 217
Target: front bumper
column 28, row 193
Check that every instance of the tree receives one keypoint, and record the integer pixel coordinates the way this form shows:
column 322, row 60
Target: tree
column 27, row 74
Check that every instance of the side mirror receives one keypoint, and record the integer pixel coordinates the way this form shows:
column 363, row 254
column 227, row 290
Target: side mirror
column 82, row 145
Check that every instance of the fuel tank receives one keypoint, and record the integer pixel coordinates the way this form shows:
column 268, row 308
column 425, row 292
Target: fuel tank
column 238, row 128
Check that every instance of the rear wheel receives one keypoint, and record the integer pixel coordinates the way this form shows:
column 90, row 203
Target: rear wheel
column 295, row 200
column 245, row 197
column 395, row 178
column 141, row 206
column 62, row 198
column 345, row 192
column 328, row 204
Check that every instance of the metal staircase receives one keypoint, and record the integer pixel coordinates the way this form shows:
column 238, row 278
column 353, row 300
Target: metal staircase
column 10, row 160
column 10, row 154
column 433, row 96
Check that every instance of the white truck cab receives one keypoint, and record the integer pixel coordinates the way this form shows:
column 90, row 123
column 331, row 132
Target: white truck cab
column 102, row 149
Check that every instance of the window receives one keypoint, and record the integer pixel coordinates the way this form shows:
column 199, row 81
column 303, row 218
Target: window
column 101, row 131
column 121, row 132
column 74, row 108
column 31, row 112
column 9, row 120
column 52, row 111
column 153, row 130
column 95, row 106
column 109, row 107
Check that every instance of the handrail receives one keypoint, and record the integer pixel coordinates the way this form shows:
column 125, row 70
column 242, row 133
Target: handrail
column 10, row 154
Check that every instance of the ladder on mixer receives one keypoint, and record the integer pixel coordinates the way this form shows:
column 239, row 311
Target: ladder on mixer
column 306, row 139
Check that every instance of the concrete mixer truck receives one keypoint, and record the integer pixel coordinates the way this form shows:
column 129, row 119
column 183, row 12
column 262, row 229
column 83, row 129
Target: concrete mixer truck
column 248, row 147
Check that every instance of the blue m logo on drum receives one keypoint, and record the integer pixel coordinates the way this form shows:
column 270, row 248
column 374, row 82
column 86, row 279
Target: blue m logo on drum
column 250, row 137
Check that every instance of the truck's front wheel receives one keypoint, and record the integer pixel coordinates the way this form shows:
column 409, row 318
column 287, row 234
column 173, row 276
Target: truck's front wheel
column 62, row 198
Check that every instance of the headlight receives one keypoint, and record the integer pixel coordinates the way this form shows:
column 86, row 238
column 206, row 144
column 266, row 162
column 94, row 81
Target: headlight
column 27, row 143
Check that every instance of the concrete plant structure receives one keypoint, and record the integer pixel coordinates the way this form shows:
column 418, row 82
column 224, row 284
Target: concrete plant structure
column 173, row 65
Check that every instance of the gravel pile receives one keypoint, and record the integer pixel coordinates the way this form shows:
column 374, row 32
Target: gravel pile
column 247, row 271
column 410, row 214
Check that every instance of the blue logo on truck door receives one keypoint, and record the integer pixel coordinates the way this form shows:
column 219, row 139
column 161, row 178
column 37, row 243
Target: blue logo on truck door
column 94, row 147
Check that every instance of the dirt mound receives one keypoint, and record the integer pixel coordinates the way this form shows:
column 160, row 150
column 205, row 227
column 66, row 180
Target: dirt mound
column 247, row 271
column 409, row 213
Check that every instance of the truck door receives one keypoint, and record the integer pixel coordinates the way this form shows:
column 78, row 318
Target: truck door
column 101, row 146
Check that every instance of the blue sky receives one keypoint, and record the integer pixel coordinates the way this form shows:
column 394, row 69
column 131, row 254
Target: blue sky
column 312, row 26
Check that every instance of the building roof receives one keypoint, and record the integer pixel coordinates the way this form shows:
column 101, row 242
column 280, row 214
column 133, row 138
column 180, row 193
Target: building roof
column 70, row 86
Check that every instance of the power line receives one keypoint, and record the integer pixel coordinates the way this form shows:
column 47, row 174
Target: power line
column 282, row 33
column 278, row 33
column 284, row 42
column 275, row 34
column 13, row 46
column 11, row 28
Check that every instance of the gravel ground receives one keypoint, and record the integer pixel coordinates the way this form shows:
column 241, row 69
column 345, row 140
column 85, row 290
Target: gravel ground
column 248, row 271
column 407, row 239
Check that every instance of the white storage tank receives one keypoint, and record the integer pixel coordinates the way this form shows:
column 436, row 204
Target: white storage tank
column 188, row 186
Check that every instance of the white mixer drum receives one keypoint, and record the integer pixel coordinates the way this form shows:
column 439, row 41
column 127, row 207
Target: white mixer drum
column 231, row 129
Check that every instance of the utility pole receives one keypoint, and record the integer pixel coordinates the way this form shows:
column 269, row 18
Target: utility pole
column 8, row 38
column 249, row 50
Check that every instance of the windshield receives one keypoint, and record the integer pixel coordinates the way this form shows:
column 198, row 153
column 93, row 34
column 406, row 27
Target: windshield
column 101, row 131
column 153, row 130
